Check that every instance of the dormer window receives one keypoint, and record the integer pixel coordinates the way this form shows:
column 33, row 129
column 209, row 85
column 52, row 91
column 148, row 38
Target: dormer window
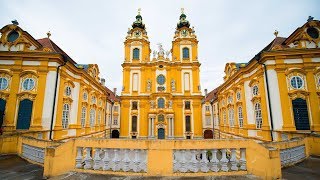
column 185, row 53
column 136, row 53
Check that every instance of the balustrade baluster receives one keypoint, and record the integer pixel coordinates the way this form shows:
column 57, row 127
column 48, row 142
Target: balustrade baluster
column 97, row 159
column 88, row 159
column 126, row 161
column 136, row 161
column 79, row 157
column 143, row 165
column 224, row 161
column 183, row 162
column 194, row 163
column 204, row 162
column 175, row 161
column 214, row 161
column 234, row 160
column 106, row 160
column 243, row 160
column 116, row 160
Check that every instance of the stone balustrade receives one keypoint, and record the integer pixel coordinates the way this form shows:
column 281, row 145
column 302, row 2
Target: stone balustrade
column 214, row 160
column 111, row 159
column 292, row 155
column 33, row 153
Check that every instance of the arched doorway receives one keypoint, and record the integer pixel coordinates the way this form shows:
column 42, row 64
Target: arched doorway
column 161, row 134
column 2, row 110
column 115, row 134
column 24, row 114
column 208, row 134
column 300, row 113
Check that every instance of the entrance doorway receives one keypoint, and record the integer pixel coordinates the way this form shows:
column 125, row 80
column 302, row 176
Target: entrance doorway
column 115, row 134
column 24, row 114
column 2, row 110
column 208, row 134
column 300, row 113
column 161, row 134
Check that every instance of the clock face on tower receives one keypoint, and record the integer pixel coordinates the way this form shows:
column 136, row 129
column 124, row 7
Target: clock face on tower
column 137, row 33
column 184, row 33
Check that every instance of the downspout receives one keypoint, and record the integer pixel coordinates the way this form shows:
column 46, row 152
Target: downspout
column 213, row 134
column 112, row 102
column 268, row 95
column 54, row 97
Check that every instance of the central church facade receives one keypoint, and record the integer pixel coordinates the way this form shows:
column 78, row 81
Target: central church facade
column 161, row 95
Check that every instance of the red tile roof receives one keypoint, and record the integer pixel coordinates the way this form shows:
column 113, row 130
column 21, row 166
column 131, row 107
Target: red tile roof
column 112, row 97
column 48, row 43
column 212, row 95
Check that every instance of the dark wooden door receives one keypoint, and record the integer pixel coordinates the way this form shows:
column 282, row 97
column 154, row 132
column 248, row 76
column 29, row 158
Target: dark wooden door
column 300, row 112
column 24, row 114
column 2, row 110
column 208, row 134
column 161, row 134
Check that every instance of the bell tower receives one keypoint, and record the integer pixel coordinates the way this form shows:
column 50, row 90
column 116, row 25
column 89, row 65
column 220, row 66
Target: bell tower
column 137, row 45
column 185, row 43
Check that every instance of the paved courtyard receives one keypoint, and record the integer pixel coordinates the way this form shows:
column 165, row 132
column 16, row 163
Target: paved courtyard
column 13, row 167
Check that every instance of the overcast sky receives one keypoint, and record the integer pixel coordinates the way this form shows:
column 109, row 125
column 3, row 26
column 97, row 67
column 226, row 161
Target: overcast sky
column 94, row 31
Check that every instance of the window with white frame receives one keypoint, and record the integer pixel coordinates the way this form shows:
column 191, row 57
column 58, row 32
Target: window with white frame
column 67, row 91
column 92, row 117
column 115, row 120
column 224, row 117
column 258, row 115
column 93, row 100
column 99, row 117
column 160, row 103
column 85, row 96
column 28, row 84
column 231, row 117
column 255, row 90
column 136, row 53
column 240, row 116
column 238, row 96
column 83, row 116
column 208, row 120
column 296, row 82
column 3, row 83
column 207, row 108
column 65, row 116
column 230, row 99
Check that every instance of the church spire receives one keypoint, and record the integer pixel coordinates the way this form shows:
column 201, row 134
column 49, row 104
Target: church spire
column 183, row 21
column 138, row 22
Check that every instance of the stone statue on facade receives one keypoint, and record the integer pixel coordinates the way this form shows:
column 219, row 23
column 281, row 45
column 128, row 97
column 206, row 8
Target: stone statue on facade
column 173, row 85
column 149, row 84
column 152, row 104
column 161, row 50
column 170, row 104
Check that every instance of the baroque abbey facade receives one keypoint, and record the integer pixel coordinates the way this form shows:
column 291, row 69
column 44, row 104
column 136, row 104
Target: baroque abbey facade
column 161, row 96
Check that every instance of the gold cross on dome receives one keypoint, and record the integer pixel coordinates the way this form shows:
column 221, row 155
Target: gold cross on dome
column 139, row 10
column 182, row 10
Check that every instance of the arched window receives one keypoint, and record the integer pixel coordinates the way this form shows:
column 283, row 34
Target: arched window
column 3, row 83
column 160, row 103
column 255, row 90
column 231, row 117
column 83, row 116
column 240, row 116
column 65, row 116
column 258, row 115
column 296, row 82
column 185, row 53
column 92, row 117
column 99, row 117
column 68, row 91
column 136, row 53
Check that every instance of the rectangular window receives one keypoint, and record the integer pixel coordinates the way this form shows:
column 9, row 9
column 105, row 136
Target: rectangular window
column 186, row 81
column 134, row 105
column 187, row 105
column 134, row 124
column 188, row 124
column 135, row 79
column 208, row 120
column 207, row 108
column 116, row 108
column 115, row 120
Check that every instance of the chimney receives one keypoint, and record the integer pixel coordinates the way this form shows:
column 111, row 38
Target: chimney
column 205, row 92
column 115, row 91
column 103, row 81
